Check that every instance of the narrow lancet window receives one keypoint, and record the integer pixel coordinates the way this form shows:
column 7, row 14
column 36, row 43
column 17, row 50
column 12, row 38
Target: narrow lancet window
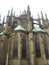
column 15, row 49
column 37, row 48
column 46, row 48
column 23, row 48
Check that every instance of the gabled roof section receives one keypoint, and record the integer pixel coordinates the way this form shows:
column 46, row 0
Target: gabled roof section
column 19, row 28
column 1, row 33
column 37, row 29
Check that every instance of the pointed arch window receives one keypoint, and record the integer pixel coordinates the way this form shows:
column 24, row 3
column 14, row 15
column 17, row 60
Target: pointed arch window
column 46, row 48
column 23, row 48
column 15, row 49
column 37, row 48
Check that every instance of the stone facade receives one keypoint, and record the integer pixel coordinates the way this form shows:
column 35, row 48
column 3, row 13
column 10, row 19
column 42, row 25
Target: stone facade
column 20, row 44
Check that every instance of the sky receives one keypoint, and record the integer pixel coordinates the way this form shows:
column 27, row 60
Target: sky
column 20, row 5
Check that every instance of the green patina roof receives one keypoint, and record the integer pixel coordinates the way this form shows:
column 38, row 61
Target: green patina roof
column 1, row 33
column 37, row 29
column 19, row 27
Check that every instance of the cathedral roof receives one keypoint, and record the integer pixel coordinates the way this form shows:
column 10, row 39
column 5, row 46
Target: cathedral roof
column 37, row 29
column 19, row 27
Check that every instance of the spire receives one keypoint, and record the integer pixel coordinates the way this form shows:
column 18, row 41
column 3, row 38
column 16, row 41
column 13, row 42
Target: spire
column 0, row 17
column 12, row 12
column 46, row 16
column 39, row 20
column 38, row 17
column 28, row 11
column 8, row 13
column 3, row 20
column 28, row 8
column 42, row 15
column 20, row 12
column 46, row 22
column 43, row 21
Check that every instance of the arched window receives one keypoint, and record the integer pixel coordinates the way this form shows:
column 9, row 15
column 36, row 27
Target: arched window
column 15, row 49
column 37, row 48
column 23, row 48
column 46, row 48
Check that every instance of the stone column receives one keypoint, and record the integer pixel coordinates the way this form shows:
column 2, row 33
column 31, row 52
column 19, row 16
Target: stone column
column 47, row 38
column 7, row 59
column 12, row 44
column 4, row 53
column 8, row 51
column 0, row 51
column 43, row 57
column 31, row 49
column 19, row 47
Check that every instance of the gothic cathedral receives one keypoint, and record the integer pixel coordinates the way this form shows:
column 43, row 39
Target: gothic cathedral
column 22, row 43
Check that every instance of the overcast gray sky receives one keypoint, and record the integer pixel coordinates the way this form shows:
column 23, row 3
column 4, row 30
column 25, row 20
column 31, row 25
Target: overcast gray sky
column 19, row 5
